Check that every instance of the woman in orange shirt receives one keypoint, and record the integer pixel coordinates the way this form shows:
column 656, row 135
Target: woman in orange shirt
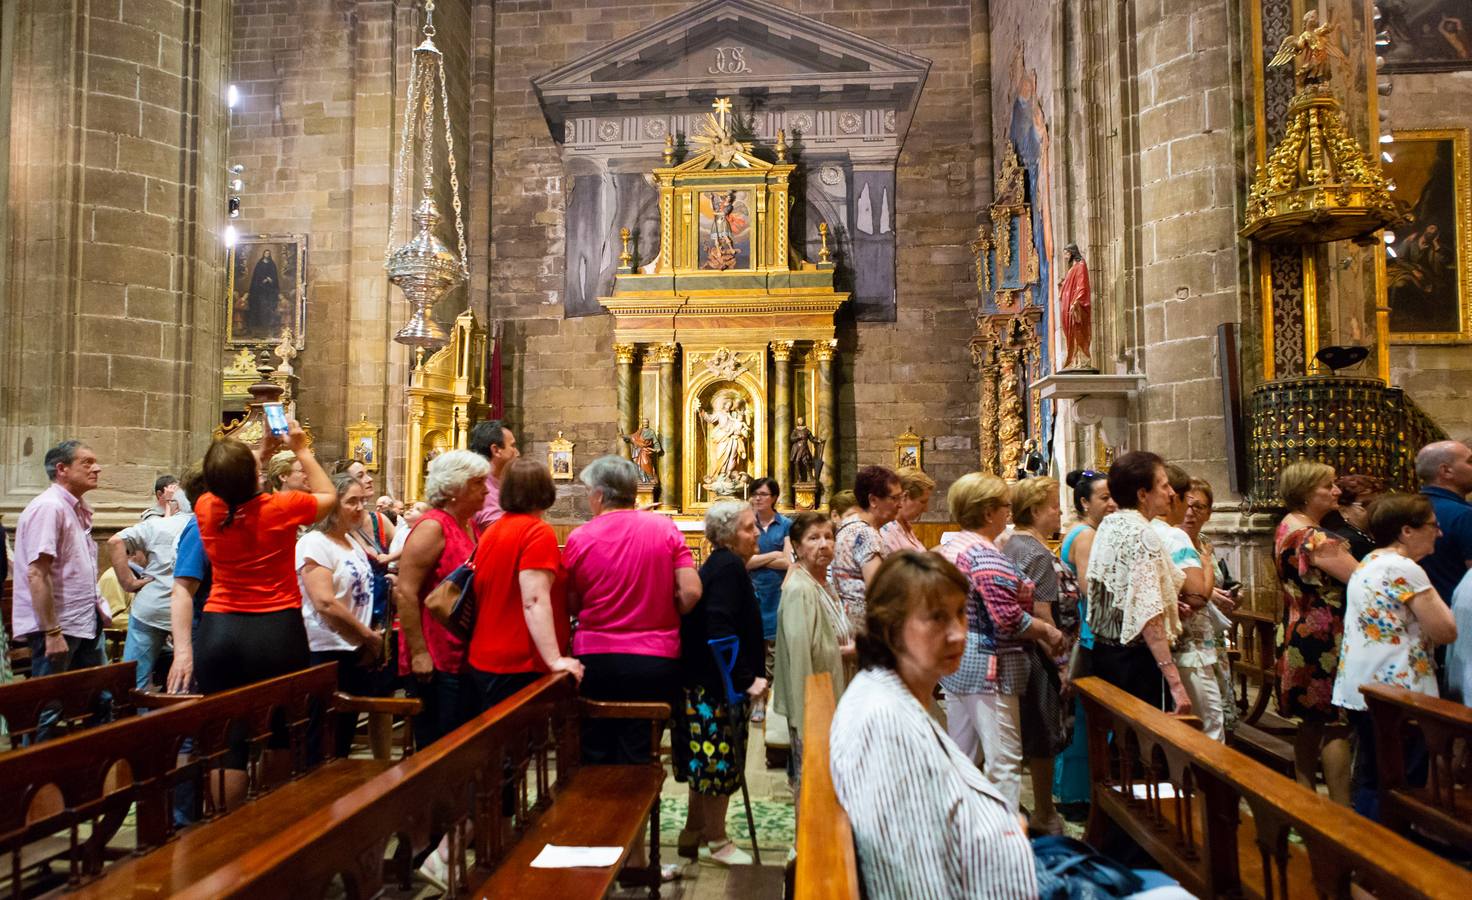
column 251, row 628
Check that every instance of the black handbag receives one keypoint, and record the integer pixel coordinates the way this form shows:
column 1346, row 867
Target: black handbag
column 452, row 602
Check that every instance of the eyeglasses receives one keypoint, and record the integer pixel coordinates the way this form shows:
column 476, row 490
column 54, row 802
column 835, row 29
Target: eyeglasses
column 1199, row 507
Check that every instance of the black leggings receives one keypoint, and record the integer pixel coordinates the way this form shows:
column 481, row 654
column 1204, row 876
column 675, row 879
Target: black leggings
column 235, row 649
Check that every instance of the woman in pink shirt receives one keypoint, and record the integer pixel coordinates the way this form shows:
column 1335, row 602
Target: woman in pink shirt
column 630, row 578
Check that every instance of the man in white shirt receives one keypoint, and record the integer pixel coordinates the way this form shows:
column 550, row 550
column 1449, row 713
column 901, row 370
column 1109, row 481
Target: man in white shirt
column 148, row 618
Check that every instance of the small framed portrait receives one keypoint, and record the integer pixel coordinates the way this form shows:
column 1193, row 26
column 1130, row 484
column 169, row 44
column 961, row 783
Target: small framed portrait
column 1428, row 265
column 559, row 458
column 363, row 443
column 266, row 290
column 909, row 450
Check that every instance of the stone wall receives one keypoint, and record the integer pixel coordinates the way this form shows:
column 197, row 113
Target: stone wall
column 112, row 258
column 1438, row 377
column 915, row 371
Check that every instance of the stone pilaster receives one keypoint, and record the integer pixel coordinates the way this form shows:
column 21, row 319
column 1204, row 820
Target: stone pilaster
column 669, row 470
column 627, row 418
column 825, row 353
column 782, row 418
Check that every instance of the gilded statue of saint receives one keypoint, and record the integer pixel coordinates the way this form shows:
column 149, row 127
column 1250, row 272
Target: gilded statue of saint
column 727, row 438
column 1310, row 51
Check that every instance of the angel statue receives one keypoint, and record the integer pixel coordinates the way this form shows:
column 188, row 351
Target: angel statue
column 1310, row 51
column 727, row 439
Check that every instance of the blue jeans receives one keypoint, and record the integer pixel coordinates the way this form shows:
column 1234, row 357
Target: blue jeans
column 81, row 653
column 143, row 646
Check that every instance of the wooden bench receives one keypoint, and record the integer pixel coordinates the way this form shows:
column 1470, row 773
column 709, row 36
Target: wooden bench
column 83, row 698
column 1442, row 808
column 1181, row 797
column 827, row 868
column 85, row 784
column 1260, row 734
column 503, row 785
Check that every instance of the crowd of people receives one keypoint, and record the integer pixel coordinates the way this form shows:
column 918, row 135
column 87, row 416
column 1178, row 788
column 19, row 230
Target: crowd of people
column 953, row 664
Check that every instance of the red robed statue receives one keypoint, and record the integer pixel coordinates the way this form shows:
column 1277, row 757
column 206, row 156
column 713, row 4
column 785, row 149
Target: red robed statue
column 1076, row 309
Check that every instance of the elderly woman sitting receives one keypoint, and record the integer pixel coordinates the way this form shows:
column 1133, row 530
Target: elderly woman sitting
column 709, row 736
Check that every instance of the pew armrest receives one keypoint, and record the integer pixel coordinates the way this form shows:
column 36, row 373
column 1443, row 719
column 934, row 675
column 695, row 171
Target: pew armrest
column 604, row 709
column 159, row 700
column 408, row 707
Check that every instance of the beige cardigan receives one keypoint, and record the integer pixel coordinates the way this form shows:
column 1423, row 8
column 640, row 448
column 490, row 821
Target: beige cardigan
column 806, row 644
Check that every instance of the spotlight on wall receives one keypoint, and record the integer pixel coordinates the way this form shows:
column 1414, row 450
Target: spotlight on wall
column 1382, row 39
column 230, row 236
column 1387, row 138
column 236, row 184
column 1385, row 155
column 234, row 207
column 232, row 96
column 1388, row 237
column 237, row 169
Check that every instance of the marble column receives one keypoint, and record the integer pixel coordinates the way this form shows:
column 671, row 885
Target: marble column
column 627, row 408
column 782, row 419
column 669, row 491
column 823, row 352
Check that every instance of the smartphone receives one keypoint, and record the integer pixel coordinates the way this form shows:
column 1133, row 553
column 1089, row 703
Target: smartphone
column 276, row 419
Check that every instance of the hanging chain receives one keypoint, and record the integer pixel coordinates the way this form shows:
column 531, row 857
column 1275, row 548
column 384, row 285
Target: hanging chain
column 427, row 136
column 399, row 201
column 454, row 176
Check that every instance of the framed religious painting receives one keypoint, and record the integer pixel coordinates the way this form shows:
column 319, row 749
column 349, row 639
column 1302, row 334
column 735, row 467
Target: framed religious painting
column 1426, row 35
column 559, row 458
column 1428, row 266
column 909, row 450
column 363, row 443
column 266, row 293
column 725, row 229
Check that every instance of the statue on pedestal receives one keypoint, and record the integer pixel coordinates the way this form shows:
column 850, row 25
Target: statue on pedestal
column 1075, row 306
column 805, row 449
column 727, row 441
column 644, row 445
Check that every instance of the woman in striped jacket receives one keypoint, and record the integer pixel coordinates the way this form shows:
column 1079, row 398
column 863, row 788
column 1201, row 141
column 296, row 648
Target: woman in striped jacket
column 926, row 823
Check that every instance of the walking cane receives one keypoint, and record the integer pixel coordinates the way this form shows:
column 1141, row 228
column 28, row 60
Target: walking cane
column 725, row 650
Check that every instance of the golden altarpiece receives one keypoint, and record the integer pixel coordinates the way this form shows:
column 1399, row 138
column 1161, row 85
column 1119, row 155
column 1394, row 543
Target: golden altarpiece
column 446, row 397
column 724, row 344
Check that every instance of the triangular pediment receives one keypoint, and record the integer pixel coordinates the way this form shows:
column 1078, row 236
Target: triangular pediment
column 733, row 47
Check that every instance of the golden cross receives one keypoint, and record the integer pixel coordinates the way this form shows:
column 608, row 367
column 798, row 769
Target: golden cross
column 722, row 106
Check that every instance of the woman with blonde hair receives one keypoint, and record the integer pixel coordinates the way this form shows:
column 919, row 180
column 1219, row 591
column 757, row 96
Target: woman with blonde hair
column 918, row 488
column 984, row 696
column 1313, row 567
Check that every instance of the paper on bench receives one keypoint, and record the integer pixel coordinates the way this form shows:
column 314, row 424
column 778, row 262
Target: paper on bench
column 555, row 857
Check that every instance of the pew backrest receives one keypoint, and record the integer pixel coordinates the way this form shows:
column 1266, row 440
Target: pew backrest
column 80, row 699
column 95, row 776
column 500, row 762
column 1181, row 796
column 827, row 867
column 1254, row 636
column 1442, row 807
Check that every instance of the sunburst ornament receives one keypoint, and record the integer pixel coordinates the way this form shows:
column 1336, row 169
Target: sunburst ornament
column 716, row 137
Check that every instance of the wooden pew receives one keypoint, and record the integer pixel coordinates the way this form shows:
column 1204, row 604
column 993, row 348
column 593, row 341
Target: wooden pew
column 20, row 654
column 84, row 784
column 1262, row 735
column 827, row 868
column 504, row 784
column 1180, row 796
column 1442, row 808
column 86, row 697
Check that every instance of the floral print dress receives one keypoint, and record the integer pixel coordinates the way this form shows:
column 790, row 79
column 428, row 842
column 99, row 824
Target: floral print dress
column 1383, row 641
column 1312, row 626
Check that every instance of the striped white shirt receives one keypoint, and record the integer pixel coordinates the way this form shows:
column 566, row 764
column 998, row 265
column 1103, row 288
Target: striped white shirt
column 926, row 822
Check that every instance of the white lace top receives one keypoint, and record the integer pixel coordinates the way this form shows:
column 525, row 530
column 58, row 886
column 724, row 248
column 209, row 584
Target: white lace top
column 1131, row 580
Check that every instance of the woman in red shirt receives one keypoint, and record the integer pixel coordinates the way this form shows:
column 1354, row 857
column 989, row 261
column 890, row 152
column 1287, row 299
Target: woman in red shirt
column 440, row 542
column 521, row 625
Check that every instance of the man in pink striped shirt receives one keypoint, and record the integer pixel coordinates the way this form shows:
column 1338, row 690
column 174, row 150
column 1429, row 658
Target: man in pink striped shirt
column 496, row 443
column 58, row 609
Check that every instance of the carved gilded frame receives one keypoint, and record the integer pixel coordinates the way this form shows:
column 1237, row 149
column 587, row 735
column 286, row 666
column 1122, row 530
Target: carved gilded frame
column 1461, row 242
column 290, row 248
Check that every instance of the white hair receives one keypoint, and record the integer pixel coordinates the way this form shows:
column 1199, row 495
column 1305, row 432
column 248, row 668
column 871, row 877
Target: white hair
column 721, row 519
column 450, row 472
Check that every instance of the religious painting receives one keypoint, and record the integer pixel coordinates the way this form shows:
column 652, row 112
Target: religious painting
column 363, row 443
column 908, row 451
column 266, row 292
column 559, row 458
column 1426, row 35
column 1428, row 279
column 725, row 230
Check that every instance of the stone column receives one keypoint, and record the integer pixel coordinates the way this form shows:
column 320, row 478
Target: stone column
column 669, row 486
column 824, row 352
column 627, row 410
column 782, row 418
